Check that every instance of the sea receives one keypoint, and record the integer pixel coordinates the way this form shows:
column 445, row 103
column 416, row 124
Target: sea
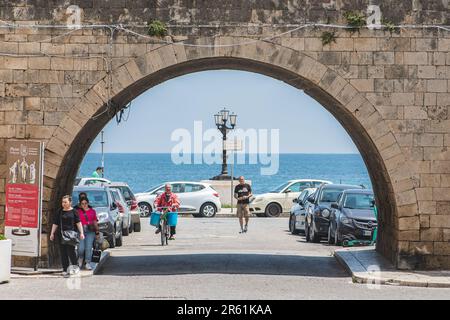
column 142, row 171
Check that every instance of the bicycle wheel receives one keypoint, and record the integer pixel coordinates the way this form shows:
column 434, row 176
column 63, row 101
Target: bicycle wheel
column 163, row 233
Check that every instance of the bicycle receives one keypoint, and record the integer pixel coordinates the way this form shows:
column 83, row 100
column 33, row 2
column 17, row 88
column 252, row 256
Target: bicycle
column 164, row 227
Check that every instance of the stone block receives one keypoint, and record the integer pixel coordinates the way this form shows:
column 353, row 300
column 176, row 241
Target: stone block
column 440, row 166
column 441, row 194
column 437, row 85
column 365, row 44
column 61, row 63
column 442, row 248
column 427, row 207
column 16, row 63
column 53, row 118
column 409, row 223
column 396, row 72
column 426, row 72
column 383, row 58
column 402, row 99
column 429, row 140
column 407, row 197
column 415, row 58
column 415, row 112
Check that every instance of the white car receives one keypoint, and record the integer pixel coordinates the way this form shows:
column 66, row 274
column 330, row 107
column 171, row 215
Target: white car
column 279, row 200
column 298, row 212
column 91, row 181
column 197, row 198
column 124, row 211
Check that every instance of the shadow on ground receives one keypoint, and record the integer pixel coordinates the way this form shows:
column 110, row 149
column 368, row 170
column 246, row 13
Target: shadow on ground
column 263, row 264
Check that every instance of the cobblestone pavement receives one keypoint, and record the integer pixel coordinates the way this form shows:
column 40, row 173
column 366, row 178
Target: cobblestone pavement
column 211, row 260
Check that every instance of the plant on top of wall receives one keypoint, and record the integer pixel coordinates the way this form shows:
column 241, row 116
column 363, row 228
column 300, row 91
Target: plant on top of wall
column 2, row 237
column 157, row 28
column 328, row 37
column 388, row 25
column 355, row 20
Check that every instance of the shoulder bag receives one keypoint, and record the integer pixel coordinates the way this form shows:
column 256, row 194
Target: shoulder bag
column 68, row 237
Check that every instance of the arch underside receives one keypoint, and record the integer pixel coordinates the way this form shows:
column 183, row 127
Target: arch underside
column 372, row 158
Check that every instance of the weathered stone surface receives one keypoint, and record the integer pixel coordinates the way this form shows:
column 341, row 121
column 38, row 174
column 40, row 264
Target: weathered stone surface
column 391, row 92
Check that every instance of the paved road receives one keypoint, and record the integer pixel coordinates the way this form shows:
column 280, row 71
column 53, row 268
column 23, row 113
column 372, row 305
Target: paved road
column 210, row 260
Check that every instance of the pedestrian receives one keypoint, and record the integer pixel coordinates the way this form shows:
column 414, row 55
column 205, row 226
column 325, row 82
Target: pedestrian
column 68, row 222
column 81, row 195
column 167, row 202
column 243, row 193
column 98, row 173
column 89, row 221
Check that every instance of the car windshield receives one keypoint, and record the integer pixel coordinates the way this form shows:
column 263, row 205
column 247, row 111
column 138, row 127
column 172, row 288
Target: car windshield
column 330, row 195
column 358, row 201
column 152, row 188
column 280, row 188
column 96, row 198
column 126, row 192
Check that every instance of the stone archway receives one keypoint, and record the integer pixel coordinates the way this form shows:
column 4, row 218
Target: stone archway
column 391, row 176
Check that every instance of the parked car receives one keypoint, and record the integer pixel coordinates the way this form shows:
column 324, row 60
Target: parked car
column 298, row 212
column 132, row 204
column 199, row 199
column 352, row 217
column 91, row 181
column 319, row 208
column 109, row 218
column 124, row 211
column 279, row 200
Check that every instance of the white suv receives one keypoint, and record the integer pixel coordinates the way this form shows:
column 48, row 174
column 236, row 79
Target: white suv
column 197, row 198
column 91, row 181
column 279, row 200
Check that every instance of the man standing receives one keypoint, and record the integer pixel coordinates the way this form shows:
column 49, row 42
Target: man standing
column 97, row 173
column 167, row 202
column 243, row 192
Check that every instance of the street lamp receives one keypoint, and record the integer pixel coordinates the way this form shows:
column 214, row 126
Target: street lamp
column 221, row 119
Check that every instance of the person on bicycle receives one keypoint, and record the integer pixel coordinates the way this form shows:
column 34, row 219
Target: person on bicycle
column 167, row 202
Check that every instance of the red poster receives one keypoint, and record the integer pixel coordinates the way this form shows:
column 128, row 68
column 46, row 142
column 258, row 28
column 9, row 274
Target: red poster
column 22, row 203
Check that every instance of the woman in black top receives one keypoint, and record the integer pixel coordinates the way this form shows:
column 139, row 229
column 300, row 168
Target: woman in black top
column 69, row 219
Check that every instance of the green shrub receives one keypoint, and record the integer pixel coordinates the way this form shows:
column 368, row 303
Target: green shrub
column 355, row 20
column 157, row 28
column 388, row 25
column 328, row 37
column 2, row 237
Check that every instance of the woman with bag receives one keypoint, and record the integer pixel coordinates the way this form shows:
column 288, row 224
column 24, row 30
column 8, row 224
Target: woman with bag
column 89, row 220
column 70, row 233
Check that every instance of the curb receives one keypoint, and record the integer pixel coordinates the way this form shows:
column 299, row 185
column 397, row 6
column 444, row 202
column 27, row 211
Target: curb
column 104, row 257
column 363, row 277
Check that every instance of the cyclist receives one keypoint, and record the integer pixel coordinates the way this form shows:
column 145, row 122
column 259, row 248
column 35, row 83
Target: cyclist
column 167, row 200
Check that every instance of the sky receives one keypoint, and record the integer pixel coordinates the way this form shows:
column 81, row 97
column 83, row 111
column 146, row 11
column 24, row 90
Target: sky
column 260, row 102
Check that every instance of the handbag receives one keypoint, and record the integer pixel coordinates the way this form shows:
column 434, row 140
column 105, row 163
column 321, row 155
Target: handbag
column 68, row 237
column 89, row 227
column 96, row 253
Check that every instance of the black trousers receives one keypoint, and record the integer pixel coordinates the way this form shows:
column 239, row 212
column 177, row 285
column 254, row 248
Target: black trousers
column 173, row 230
column 68, row 255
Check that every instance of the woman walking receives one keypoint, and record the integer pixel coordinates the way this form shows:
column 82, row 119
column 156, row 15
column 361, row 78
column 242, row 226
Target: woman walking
column 68, row 222
column 89, row 221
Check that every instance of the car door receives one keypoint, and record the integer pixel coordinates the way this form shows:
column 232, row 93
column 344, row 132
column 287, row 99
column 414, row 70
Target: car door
column 178, row 189
column 290, row 193
column 195, row 196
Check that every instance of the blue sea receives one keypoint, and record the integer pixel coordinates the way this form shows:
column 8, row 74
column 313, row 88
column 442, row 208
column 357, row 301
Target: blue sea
column 143, row 171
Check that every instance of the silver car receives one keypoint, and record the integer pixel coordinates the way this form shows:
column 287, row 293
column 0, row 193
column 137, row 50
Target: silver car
column 124, row 211
column 197, row 198
column 298, row 212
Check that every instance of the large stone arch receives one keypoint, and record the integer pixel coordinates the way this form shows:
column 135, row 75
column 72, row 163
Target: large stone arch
column 389, row 170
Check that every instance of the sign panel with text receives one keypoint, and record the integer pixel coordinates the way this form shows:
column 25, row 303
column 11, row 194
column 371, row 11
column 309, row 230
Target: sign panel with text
column 24, row 196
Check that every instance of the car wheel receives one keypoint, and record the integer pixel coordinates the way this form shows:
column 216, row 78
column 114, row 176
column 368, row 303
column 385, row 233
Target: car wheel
column 314, row 237
column 112, row 240
column 125, row 232
column 307, row 232
column 337, row 240
column 330, row 238
column 131, row 228
column 137, row 227
column 292, row 226
column 273, row 210
column 119, row 240
column 145, row 209
column 208, row 210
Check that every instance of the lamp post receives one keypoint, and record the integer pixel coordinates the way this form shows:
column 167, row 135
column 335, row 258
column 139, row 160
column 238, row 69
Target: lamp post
column 221, row 119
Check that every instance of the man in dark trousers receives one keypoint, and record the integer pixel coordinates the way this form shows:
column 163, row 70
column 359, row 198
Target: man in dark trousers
column 243, row 193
